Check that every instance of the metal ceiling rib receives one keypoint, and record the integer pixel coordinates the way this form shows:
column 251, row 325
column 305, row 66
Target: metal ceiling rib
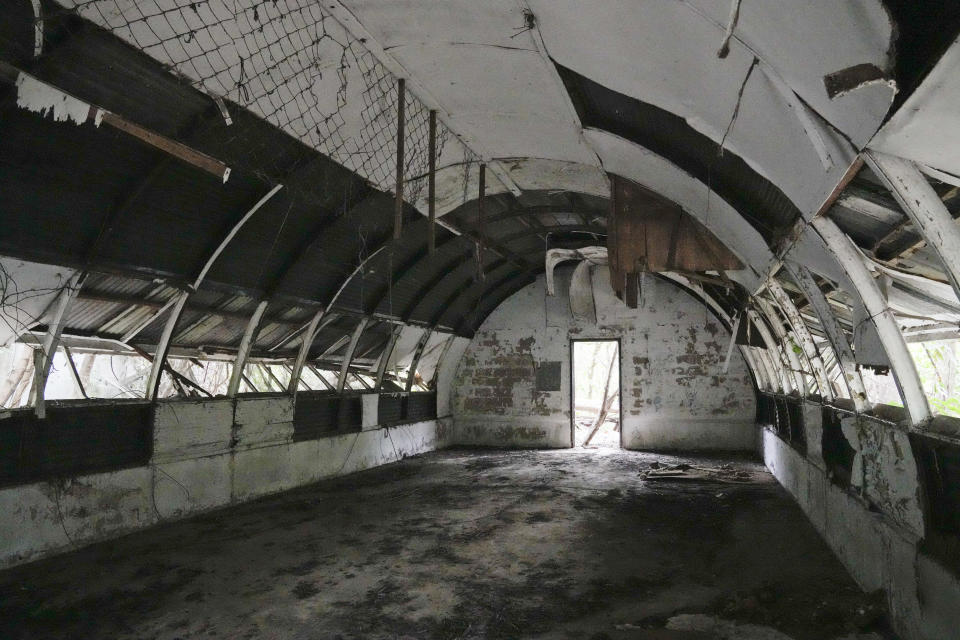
column 150, row 216
column 760, row 202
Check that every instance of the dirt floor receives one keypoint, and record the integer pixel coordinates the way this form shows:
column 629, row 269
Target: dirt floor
column 464, row 544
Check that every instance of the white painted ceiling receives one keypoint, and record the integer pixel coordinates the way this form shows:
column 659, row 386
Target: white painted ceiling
column 498, row 86
column 924, row 129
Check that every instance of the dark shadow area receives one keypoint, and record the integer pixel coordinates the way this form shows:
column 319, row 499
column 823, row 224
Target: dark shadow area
column 462, row 544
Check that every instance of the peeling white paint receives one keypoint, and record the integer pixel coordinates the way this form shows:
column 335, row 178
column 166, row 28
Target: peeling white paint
column 924, row 129
column 39, row 97
column 28, row 290
column 675, row 395
column 207, row 454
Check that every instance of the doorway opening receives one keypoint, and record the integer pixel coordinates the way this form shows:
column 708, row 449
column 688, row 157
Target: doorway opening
column 595, row 393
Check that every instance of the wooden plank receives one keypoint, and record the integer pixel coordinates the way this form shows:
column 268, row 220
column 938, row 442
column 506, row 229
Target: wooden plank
column 649, row 233
column 481, row 214
column 398, row 197
column 176, row 149
column 432, row 187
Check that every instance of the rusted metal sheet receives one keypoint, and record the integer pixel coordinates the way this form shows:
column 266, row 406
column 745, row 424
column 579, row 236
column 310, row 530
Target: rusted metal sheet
column 649, row 233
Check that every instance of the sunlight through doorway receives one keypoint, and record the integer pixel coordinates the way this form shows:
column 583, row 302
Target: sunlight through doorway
column 595, row 396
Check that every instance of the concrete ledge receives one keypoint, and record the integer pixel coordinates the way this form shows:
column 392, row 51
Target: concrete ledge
column 44, row 518
column 527, row 432
column 690, row 434
column 878, row 550
column 263, row 421
column 184, row 487
column 191, row 429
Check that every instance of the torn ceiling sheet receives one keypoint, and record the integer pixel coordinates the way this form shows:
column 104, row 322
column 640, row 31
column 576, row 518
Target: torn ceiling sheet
column 639, row 59
column 924, row 128
column 482, row 63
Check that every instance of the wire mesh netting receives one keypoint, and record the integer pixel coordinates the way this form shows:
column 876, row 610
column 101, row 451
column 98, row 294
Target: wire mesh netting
column 291, row 63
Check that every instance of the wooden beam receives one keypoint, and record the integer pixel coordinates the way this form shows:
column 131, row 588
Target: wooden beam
column 398, row 197
column 793, row 362
column 782, row 367
column 432, row 186
column 807, row 343
column 481, row 213
column 385, row 356
column 100, row 116
column 76, row 374
column 310, row 333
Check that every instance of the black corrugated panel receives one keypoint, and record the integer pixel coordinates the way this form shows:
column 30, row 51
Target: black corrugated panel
column 923, row 31
column 419, row 283
column 16, row 32
column 47, row 164
column 314, row 415
column 797, row 432
column 96, row 66
column 472, row 299
column 400, row 408
column 350, row 414
column 837, row 452
column 759, row 201
column 74, row 440
column 390, row 408
column 766, row 410
column 938, row 463
column 178, row 220
column 783, row 419
column 346, row 241
column 318, row 413
column 421, row 406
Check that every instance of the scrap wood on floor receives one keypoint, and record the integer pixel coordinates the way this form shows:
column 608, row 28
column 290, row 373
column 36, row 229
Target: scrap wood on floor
column 683, row 472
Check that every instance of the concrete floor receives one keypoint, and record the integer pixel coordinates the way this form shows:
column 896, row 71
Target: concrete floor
column 462, row 544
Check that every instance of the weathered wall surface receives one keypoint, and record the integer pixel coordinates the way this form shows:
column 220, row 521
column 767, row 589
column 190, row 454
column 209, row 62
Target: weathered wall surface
column 206, row 454
column 876, row 523
column 675, row 395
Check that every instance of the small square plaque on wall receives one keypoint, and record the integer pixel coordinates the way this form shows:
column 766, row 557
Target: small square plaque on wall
column 548, row 376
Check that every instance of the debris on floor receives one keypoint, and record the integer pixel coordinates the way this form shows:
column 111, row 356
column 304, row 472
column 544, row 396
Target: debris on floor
column 467, row 544
column 723, row 629
column 685, row 472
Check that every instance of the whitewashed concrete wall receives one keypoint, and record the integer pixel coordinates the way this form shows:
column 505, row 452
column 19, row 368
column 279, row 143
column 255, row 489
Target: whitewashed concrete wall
column 206, row 454
column 878, row 545
column 675, row 395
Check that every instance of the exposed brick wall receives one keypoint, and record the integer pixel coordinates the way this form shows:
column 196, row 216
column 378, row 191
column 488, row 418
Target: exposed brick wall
column 672, row 350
